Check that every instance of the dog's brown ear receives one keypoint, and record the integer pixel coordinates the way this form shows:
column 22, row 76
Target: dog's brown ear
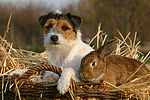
column 76, row 20
column 42, row 19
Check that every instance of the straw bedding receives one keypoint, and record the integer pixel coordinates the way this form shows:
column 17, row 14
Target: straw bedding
column 20, row 87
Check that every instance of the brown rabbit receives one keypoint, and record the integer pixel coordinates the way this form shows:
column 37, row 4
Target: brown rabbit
column 99, row 65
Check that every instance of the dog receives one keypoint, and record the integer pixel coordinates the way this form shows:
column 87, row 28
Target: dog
column 62, row 39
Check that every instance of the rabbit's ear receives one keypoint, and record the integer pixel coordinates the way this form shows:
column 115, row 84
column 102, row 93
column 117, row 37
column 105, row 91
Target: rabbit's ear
column 106, row 49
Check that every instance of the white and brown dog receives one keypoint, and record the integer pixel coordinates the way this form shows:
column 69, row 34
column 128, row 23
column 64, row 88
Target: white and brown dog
column 62, row 39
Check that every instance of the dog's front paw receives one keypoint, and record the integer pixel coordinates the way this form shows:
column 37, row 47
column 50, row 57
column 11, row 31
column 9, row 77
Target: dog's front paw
column 63, row 85
column 18, row 72
column 64, row 80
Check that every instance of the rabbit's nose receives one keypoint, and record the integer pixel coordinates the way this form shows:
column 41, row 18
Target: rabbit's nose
column 83, row 75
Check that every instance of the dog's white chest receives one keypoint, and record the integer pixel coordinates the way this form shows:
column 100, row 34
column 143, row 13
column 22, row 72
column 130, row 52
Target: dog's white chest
column 57, row 58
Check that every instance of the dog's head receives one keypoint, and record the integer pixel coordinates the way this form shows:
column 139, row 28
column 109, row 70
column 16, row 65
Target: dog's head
column 59, row 29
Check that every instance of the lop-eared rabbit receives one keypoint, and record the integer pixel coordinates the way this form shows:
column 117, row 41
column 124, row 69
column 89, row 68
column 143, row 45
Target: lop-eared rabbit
column 99, row 65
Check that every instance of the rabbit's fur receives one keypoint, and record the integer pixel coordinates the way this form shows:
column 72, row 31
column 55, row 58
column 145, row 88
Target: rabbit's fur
column 99, row 65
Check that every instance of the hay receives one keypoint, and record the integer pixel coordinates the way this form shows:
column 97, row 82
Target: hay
column 12, row 59
column 23, row 88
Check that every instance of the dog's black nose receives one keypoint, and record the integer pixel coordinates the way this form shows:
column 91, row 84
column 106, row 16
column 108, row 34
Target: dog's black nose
column 54, row 38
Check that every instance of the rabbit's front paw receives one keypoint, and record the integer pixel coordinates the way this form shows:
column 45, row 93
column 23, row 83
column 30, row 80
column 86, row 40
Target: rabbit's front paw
column 63, row 85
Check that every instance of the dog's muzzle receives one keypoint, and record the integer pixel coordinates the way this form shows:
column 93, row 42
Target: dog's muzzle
column 54, row 39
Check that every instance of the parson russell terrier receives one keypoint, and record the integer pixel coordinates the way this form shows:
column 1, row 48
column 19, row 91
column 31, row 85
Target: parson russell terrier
column 62, row 39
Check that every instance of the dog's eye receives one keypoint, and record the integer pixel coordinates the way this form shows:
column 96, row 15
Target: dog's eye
column 93, row 64
column 65, row 28
column 49, row 26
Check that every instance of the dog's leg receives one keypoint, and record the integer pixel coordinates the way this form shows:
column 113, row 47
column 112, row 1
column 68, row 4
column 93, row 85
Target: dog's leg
column 64, row 81
column 18, row 71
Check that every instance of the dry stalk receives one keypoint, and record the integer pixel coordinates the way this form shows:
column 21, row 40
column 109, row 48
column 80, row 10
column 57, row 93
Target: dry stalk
column 99, row 36
column 135, row 71
column 17, row 90
column 1, row 44
column 7, row 28
column 114, row 86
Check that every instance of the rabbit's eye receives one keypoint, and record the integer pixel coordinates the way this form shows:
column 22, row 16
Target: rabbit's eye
column 93, row 64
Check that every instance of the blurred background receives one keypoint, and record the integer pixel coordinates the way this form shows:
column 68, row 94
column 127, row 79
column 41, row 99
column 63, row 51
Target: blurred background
column 123, row 15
